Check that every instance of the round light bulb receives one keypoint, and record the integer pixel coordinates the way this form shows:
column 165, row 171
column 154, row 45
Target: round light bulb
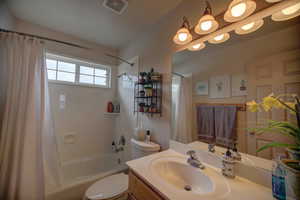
column 197, row 46
column 291, row 10
column 238, row 10
column 206, row 25
column 219, row 37
column 248, row 26
column 182, row 37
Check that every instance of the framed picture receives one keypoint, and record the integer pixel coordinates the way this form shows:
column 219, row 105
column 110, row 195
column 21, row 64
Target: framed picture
column 238, row 85
column 219, row 87
column 201, row 88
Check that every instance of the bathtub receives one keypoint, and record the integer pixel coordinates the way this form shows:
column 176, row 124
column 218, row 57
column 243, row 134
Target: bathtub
column 78, row 175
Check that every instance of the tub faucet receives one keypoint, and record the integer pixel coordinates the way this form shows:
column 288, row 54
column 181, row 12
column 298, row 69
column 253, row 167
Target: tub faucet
column 117, row 148
column 193, row 160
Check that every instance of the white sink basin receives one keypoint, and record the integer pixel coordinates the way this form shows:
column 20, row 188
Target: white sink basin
column 176, row 175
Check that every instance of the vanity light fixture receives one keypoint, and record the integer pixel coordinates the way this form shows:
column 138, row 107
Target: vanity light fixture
column 287, row 13
column 197, row 47
column 207, row 23
column 250, row 27
column 239, row 9
column 183, row 35
column 219, row 38
column 273, row 1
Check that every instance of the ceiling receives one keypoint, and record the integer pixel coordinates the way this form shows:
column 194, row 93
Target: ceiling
column 89, row 20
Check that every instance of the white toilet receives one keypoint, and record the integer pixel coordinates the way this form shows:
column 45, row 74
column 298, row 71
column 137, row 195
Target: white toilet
column 141, row 149
column 115, row 187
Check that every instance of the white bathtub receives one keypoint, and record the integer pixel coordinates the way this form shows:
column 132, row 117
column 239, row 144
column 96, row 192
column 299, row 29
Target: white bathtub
column 77, row 175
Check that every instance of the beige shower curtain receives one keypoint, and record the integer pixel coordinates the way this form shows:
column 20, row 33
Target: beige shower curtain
column 24, row 118
column 182, row 131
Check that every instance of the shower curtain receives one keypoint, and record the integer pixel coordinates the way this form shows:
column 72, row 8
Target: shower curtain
column 26, row 136
column 182, row 131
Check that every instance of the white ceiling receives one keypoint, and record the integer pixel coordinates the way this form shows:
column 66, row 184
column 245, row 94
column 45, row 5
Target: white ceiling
column 88, row 19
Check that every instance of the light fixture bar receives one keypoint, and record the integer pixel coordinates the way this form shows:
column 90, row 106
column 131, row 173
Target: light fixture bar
column 231, row 27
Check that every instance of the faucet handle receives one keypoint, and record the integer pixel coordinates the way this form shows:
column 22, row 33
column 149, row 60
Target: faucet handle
column 191, row 153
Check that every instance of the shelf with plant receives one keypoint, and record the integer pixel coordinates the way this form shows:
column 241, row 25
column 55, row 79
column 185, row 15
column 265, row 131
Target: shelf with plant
column 286, row 128
column 148, row 93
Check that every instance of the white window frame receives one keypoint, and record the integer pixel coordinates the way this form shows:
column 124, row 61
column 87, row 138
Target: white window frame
column 78, row 63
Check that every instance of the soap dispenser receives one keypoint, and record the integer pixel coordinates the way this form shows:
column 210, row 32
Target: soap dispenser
column 148, row 136
column 236, row 155
column 228, row 163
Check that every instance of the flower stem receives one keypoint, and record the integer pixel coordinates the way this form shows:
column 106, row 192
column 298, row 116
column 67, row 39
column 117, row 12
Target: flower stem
column 289, row 107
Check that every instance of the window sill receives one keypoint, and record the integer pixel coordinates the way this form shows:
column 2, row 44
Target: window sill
column 77, row 85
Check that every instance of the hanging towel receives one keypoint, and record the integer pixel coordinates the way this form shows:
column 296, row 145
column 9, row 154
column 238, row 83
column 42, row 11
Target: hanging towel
column 225, row 125
column 205, row 123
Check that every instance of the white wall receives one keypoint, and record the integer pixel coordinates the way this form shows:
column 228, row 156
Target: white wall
column 234, row 59
column 127, row 121
column 83, row 115
column 155, row 48
column 7, row 20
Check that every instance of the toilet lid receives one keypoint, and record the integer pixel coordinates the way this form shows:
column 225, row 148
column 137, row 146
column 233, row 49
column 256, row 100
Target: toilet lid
column 145, row 146
column 108, row 187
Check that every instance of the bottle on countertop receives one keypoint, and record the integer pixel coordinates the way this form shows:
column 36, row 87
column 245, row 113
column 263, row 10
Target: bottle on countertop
column 278, row 181
column 148, row 136
column 236, row 154
column 228, row 163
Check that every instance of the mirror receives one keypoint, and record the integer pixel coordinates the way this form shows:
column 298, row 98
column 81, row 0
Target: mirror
column 210, row 89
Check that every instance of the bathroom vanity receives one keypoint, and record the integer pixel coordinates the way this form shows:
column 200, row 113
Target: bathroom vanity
column 168, row 176
column 140, row 190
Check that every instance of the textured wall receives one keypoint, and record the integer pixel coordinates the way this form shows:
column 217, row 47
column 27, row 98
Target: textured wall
column 7, row 20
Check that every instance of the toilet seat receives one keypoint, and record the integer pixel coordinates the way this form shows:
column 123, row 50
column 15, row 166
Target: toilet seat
column 108, row 188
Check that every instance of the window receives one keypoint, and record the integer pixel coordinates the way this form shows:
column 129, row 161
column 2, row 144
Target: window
column 76, row 72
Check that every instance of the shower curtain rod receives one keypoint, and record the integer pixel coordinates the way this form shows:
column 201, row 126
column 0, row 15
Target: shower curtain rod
column 61, row 42
column 119, row 58
column 43, row 38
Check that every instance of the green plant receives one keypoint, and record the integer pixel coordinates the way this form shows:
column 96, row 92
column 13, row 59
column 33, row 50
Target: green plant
column 281, row 127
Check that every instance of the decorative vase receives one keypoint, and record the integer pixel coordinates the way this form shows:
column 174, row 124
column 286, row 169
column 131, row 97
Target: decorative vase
column 292, row 177
column 293, row 154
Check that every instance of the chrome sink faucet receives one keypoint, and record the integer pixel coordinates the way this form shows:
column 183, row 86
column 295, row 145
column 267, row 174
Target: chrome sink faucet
column 211, row 147
column 193, row 160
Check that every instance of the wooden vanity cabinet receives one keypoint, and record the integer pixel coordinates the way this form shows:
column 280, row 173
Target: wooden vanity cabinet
column 139, row 190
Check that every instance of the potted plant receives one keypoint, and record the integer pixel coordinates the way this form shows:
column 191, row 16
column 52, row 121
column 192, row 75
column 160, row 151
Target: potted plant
column 292, row 165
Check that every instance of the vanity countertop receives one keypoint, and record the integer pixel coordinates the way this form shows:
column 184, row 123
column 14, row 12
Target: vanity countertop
column 240, row 188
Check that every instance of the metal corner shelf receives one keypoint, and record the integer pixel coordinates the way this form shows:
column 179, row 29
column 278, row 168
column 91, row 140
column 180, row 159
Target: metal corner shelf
column 152, row 104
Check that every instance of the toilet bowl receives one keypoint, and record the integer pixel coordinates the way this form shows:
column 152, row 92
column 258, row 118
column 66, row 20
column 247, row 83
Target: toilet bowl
column 109, row 188
column 115, row 187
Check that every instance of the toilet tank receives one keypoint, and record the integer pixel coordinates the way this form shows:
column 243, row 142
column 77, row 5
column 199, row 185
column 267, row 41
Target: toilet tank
column 141, row 148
